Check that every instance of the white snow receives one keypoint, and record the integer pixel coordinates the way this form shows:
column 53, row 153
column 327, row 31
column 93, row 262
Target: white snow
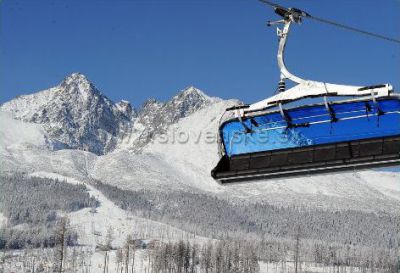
column 23, row 106
column 190, row 146
column 92, row 226
column 192, row 89
column 17, row 133
column 3, row 220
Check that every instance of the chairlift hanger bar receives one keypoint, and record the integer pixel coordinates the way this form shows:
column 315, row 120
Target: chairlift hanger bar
column 304, row 14
column 305, row 88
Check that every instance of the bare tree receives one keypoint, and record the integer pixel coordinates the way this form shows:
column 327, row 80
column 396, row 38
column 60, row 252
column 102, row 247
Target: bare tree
column 186, row 258
column 74, row 258
column 109, row 237
column 105, row 268
column 127, row 255
column 297, row 250
column 133, row 257
column 60, row 242
column 194, row 258
column 119, row 258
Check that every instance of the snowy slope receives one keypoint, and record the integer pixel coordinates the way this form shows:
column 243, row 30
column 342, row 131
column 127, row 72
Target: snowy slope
column 168, row 146
column 92, row 225
column 128, row 170
column 367, row 190
column 3, row 220
column 16, row 133
column 23, row 149
column 191, row 146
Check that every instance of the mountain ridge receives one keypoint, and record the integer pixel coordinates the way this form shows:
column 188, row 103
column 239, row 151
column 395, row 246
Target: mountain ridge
column 77, row 115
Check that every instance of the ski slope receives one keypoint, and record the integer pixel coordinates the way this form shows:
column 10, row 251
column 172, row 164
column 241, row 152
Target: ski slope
column 92, row 225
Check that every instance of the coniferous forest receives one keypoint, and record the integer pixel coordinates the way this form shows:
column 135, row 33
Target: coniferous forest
column 32, row 206
column 242, row 237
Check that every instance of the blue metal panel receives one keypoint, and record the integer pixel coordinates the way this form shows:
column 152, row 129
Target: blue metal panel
column 356, row 120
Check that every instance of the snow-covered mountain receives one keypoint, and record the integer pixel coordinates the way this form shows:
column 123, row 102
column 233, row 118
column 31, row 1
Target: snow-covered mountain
column 163, row 146
column 155, row 117
column 76, row 115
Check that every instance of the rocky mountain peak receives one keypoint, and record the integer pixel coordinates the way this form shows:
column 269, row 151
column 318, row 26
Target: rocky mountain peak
column 126, row 108
column 79, row 85
column 191, row 90
column 155, row 117
column 76, row 115
column 191, row 95
column 188, row 101
column 150, row 104
column 76, row 77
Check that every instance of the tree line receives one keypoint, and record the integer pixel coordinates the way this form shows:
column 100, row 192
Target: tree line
column 31, row 206
column 214, row 217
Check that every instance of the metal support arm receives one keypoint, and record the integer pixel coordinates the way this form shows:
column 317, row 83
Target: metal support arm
column 283, row 34
column 308, row 88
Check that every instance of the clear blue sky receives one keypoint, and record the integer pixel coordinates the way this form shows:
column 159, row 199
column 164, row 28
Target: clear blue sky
column 139, row 49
